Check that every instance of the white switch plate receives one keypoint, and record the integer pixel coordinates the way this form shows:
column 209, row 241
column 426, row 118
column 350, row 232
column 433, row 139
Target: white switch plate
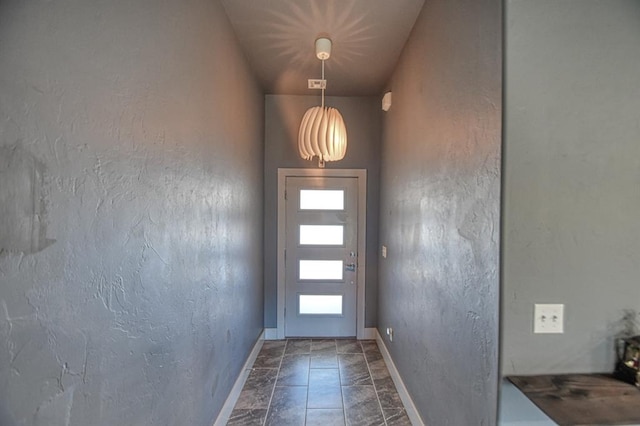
column 317, row 83
column 384, row 251
column 548, row 318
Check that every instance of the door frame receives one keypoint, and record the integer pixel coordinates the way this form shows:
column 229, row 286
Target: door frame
column 361, row 176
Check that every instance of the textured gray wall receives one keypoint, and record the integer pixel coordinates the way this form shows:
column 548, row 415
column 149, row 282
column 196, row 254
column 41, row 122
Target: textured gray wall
column 572, row 180
column 131, row 169
column 362, row 115
column 440, row 212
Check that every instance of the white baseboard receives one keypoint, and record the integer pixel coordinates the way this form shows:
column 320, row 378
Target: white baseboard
column 227, row 408
column 270, row 334
column 370, row 333
column 415, row 418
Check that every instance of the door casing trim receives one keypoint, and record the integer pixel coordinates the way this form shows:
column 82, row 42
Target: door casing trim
column 361, row 175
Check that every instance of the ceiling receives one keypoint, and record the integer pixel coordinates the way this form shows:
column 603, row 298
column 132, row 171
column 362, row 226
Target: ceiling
column 278, row 38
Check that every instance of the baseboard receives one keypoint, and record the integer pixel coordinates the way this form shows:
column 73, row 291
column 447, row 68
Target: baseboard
column 270, row 334
column 370, row 333
column 227, row 408
column 412, row 412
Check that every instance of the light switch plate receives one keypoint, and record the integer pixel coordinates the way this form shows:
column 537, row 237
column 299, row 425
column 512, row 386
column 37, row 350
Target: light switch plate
column 384, row 251
column 548, row 318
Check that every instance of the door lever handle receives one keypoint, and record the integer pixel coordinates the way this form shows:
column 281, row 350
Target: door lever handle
column 351, row 267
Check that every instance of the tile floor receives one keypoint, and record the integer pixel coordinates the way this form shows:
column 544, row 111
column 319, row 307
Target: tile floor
column 319, row 382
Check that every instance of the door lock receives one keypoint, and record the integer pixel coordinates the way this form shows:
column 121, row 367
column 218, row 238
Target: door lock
column 350, row 267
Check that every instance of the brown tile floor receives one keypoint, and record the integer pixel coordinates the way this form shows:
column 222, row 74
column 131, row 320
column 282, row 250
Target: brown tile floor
column 321, row 382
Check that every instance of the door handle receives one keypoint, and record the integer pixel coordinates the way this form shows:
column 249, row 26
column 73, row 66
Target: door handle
column 350, row 267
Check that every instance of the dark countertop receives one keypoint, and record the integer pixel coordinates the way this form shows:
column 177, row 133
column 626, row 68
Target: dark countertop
column 582, row 399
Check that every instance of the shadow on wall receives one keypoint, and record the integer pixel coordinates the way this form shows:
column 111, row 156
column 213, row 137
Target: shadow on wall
column 22, row 207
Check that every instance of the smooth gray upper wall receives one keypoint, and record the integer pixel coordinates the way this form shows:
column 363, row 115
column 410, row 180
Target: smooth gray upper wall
column 440, row 212
column 572, row 180
column 131, row 169
column 362, row 116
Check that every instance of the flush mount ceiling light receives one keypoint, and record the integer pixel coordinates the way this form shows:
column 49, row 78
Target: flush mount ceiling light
column 322, row 132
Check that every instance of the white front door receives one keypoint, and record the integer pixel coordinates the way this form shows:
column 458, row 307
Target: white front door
column 321, row 258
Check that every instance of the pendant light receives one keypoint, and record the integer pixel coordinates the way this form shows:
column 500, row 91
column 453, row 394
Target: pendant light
column 322, row 133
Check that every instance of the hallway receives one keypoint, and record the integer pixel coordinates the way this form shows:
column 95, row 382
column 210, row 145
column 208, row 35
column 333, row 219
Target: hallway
column 319, row 382
column 139, row 158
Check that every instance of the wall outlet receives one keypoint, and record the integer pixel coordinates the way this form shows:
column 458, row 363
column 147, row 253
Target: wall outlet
column 390, row 333
column 548, row 318
column 384, row 251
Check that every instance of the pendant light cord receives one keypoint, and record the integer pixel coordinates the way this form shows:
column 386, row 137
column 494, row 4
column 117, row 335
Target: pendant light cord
column 324, row 83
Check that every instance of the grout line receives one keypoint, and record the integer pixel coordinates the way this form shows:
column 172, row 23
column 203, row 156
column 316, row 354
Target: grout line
column 344, row 403
column 373, row 382
column 266, row 416
column 306, row 406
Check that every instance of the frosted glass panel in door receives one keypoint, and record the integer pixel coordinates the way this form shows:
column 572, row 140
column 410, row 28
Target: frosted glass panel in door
column 320, row 304
column 321, row 199
column 321, row 235
column 321, row 269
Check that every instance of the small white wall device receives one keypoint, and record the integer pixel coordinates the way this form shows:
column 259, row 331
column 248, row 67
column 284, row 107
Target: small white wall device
column 386, row 101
